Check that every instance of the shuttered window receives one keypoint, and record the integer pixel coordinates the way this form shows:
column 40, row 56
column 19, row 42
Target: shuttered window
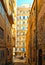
column 1, row 33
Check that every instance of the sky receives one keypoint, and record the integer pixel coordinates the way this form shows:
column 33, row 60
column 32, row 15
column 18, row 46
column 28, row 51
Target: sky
column 21, row 2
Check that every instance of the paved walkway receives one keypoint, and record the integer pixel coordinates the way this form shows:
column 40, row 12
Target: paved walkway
column 20, row 63
column 18, row 60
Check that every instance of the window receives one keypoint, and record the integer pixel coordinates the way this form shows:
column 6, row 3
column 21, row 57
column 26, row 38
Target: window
column 8, row 38
column 20, row 17
column 15, row 49
column 23, row 17
column 23, row 22
column 23, row 33
column 23, row 44
column 19, row 49
column 23, row 28
column 27, row 17
column 24, row 12
column 1, row 54
column 7, row 51
column 22, row 49
column 1, row 33
column 18, row 38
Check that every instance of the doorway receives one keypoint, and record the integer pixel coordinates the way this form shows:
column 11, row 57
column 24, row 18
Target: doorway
column 40, row 57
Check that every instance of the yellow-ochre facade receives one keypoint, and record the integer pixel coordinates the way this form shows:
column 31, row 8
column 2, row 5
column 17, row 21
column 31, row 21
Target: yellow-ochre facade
column 28, row 42
column 37, row 33
column 22, row 26
column 6, row 21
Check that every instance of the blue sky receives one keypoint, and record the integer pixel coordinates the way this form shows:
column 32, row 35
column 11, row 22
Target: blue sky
column 21, row 2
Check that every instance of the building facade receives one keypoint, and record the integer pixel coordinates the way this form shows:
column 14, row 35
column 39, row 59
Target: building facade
column 22, row 26
column 6, row 48
column 41, row 33
column 28, row 42
column 2, row 40
column 37, row 33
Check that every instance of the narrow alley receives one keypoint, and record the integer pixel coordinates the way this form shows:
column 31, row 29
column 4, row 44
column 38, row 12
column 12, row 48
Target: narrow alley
column 22, row 32
column 20, row 63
